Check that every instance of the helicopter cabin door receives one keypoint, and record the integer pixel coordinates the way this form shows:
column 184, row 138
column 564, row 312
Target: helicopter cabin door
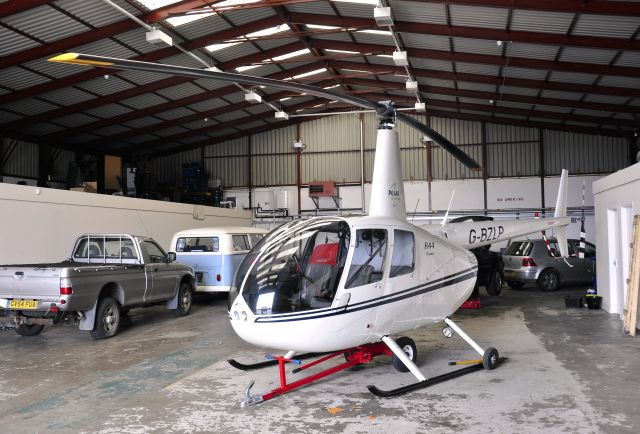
column 366, row 278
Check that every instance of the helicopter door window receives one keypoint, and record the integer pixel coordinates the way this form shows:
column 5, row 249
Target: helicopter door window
column 367, row 264
column 402, row 258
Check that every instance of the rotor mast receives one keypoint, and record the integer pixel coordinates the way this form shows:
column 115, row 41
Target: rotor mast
column 387, row 187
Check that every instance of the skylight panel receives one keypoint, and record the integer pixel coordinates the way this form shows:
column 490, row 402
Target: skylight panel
column 268, row 32
column 186, row 19
column 376, row 32
column 321, row 27
column 331, row 50
column 362, row 2
column 221, row 46
column 292, row 54
column 307, row 74
column 246, row 68
column 152, row 5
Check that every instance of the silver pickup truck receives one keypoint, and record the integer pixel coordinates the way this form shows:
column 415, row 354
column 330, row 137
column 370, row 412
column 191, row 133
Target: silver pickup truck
column 105, row 276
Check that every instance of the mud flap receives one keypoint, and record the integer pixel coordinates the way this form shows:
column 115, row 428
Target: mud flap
column 89, row 320
column 172, row 304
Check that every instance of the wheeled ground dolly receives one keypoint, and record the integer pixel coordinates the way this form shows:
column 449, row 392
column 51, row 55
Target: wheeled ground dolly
column 403, row 353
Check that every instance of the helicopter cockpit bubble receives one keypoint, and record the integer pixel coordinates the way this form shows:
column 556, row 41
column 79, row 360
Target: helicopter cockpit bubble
column 294, row 268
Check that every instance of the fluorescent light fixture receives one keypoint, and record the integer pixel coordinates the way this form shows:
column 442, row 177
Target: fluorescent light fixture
column 420, row 107
column 388, row 56
column 376, row 32
column 156, row 36
column 331, row 50
column 400, row 58
column 292, row 54
column 362, row 2
column 221, row 46
column 307, row 74
column 354, row 70
column 318, row 105
column 332, row 87
column 411, row 85
column 282, row 115
column 321, row 27
column 252, row 97
column 246, row 68
column 382, row 16
column 285, row 99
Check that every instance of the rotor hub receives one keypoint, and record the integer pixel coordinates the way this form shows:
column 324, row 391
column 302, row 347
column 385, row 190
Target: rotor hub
column 386, row 112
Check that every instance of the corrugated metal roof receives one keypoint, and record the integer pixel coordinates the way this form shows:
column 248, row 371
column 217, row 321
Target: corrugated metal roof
column 532, row 51
column 479, row 46
column 473, row 16
column 606, row 99
column 560, row 94
column 112, row 130
column 18, row 78
column 44, row 128
column 136, row 140
column 95, row 13
column 587, row 55
column 6, row 117
column 612, row 80
column 180, row 91
column 629, row 58
column 373, row 38
column 244, row 16
column 29, row 106
column 607, row 26
column 475, row 101
column 210, row 104
column 573, row 77
column 137, row 40
column 540, row 21
column 553, row 108
column 142, row 122
column 477, row 86
column 200, row 123
column 431, row 42
column 205, row 26
column 105, row 46
column 515, row 90
column 229, row 118
column 436, row 82
column 269, row 44
column 211, row 84
column 144, row 101
column 170, row 131
column 343, row 36
column 517, row 105
column 222, row 132
column 438, row 65
column 418, row 12
column 175, row 113
column 598, row 113
column 66, row 96
column 184, row 60
column 45, row 23
column 354, row 9
column 57, row 70
column 234, row 52
column 141, row 77
column 477, row 68
column 12, row 42
column 108, row 111
column 442, row 98
column 74, row 120
column 320, row 8
column 531, row 74
column 103, row 86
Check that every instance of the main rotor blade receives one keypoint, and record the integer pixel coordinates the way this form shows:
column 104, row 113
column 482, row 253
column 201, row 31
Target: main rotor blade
column 115, row 63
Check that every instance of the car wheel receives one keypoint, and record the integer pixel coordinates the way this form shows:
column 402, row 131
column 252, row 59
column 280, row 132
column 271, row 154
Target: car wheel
column 107, row 319
column 185, row 300
column 409, row 347
column 515, row 285
column 29, row 329
column 494, row 286
column 548, row 281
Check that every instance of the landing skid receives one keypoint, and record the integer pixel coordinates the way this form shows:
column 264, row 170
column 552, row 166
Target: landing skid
column 429, row 382
column 267, row 363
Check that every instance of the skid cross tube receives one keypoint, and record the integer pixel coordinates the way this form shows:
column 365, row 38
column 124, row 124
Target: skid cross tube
column 464, row 336
column 354, row 356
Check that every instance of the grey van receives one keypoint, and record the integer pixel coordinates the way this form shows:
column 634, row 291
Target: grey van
column 530, row 261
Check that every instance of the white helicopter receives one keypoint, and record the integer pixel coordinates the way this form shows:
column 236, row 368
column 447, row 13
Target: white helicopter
column 335, row 286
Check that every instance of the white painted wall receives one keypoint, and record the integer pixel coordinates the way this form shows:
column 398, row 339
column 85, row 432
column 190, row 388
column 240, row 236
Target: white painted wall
column 616, row 201
column 41, row 224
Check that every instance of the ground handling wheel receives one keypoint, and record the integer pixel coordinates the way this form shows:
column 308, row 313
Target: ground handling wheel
column 490, row 358
column 409, row 347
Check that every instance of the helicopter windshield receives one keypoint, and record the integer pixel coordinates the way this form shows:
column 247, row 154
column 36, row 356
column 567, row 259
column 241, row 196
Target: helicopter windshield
column 296, row 267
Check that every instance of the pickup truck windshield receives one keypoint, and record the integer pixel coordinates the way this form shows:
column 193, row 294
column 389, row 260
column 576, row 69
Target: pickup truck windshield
column 105, row 249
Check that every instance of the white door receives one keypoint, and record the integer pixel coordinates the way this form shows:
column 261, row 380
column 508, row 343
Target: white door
column 626, row 229
column 613, row 266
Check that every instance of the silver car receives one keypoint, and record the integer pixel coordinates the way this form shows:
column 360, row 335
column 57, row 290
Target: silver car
column 531, row 262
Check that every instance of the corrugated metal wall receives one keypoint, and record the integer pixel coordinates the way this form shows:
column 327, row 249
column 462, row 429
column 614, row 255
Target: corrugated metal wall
column 169, row 168
column 333, row 152
column 61, row 165
column 23, row 161
column 583, row 153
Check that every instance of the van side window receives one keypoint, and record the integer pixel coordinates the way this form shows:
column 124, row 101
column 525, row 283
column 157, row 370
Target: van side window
column 197, row 244
column 240, row 243
column 255, row 239
column 402, row 258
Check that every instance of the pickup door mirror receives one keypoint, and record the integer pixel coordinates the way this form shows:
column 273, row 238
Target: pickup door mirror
column 171, row 256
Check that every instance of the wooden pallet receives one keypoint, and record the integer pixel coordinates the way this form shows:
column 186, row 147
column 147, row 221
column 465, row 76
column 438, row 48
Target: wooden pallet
column 631, row 303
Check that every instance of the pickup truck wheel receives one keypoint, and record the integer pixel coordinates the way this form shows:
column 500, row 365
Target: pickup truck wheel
column 494, row 286
column 185, row 300
column 29, row 329
column 107, row 319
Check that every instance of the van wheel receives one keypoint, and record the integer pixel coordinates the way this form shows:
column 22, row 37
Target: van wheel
column 107, row 319
column 494, row 286
column 29, row 329
column 548, row 281
column 185, row 300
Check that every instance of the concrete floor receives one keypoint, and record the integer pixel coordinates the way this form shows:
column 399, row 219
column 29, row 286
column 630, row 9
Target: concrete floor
column 569, row 370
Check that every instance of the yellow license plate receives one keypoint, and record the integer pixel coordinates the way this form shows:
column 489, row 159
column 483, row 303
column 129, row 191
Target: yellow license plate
column 23, row 304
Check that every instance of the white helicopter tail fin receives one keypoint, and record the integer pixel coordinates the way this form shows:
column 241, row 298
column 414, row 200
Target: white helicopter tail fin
column 561, row 211
column 387, row 188
column 446, row 215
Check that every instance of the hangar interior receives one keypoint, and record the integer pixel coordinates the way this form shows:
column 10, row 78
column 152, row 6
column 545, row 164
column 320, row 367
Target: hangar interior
column 525, row 88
